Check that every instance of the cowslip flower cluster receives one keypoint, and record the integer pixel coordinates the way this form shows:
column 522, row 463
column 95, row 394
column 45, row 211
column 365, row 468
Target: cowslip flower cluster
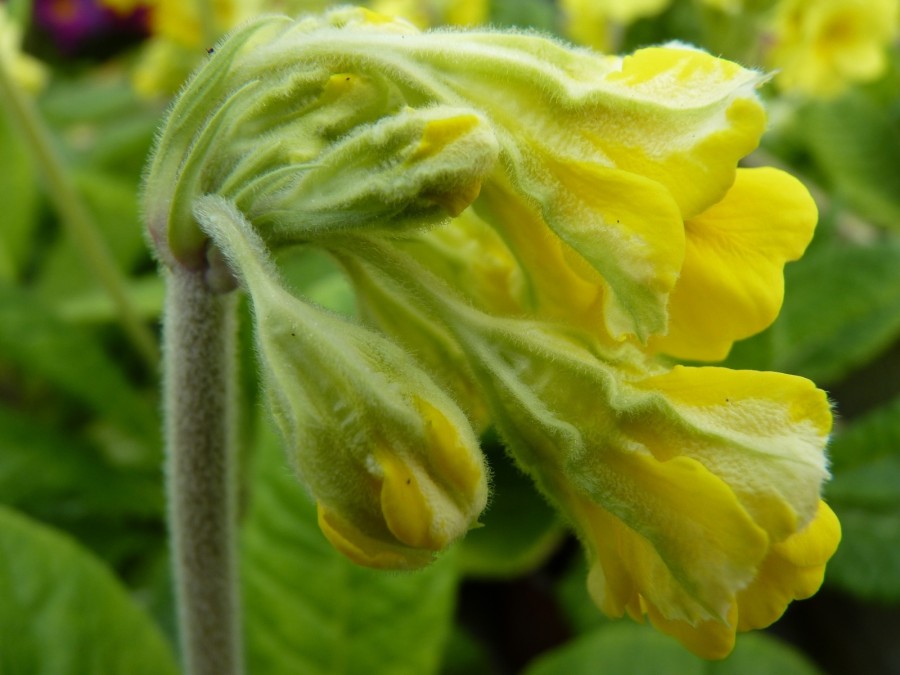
column 533, row 232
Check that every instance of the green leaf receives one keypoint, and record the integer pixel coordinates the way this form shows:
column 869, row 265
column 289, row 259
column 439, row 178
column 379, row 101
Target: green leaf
column 530, row 14
column 865, row 495
column 52, row 474
column 619, row 648
column 572, row 593
column 624, row 648
column 520, row 528
column 465, row 656
column 758, row 653
column 840, row 311
column 111, row 125
column 309, row 610
column 146, row 294
column 856, row 143
column 868, row 439
column 19, row 197
column 63, row 612
column 32, row 337
column 111, row 200
column 314, row 275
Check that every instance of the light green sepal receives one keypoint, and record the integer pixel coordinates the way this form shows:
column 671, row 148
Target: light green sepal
column 391, row 460
column 410, row 169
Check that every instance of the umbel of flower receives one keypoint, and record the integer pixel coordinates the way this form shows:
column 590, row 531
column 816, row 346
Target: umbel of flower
column 538, row 225
column 695, row 490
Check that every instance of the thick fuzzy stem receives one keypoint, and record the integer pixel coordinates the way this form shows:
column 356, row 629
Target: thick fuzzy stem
column 199, row 409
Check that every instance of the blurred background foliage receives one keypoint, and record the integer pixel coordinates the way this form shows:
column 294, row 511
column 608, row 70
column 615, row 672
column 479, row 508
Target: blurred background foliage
column 84, row 579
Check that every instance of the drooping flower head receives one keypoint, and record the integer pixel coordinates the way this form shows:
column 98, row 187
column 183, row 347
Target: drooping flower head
column 533, row 231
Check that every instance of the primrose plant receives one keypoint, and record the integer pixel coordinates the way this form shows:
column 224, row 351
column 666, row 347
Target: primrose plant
column 535, row 234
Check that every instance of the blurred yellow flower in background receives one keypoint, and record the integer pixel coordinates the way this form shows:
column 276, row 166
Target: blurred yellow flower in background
column 591, row 22
column 822, row 46
column 27, row 71
column 425, row 13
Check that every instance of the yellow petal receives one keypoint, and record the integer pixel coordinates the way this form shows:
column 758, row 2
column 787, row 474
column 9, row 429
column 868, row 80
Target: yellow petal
column 462, row 476
column 732, row 283
column 629, row 229
column 793, row 570
column 693, row 116
column 669, row 532
column 706, row 639
column 406, row 510
column 762, row 433
column 366, row 550
column 554, row 281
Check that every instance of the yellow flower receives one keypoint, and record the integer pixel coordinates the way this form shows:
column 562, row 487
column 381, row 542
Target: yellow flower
column 694, row 490
column 424, row 13
column 536, row 225
column 731, row 284
column 730, row 6
column 27, row 71
column 822, row 46
column 590, row 22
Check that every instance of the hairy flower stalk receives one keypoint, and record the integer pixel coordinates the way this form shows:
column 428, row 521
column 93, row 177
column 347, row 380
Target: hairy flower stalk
column 533, row 231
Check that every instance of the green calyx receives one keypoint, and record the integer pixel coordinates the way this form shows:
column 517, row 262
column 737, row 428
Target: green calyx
column 390, row 459
column 307, row 144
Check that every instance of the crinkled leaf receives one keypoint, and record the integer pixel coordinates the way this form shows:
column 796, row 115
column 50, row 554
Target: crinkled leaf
column 111, row 200
column 47, row 472
column 839, row 312
column 520, row 528
column 625, row 648
column 856, row 142
column 309, row 610
column 63, row 612
column 70, row 358
column 865, row 495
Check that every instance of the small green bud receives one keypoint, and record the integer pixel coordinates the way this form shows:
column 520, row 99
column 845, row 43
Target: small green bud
column 411, row 169
column 391, row 460
column 306, row 146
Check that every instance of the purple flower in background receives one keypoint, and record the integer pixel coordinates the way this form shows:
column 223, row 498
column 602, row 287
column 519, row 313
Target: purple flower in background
column 87, row 27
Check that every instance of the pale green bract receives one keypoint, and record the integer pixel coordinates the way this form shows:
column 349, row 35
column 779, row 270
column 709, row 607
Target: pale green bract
column 528, row 227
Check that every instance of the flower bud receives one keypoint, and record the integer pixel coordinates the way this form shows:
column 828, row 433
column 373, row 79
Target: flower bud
column 390, row 459
column 410, row 169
